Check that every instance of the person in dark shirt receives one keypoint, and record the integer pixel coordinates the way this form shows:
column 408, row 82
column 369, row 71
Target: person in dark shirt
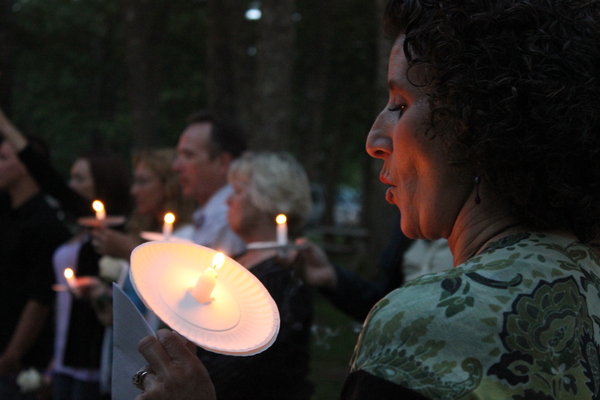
column 29, row 233
column 348, row 290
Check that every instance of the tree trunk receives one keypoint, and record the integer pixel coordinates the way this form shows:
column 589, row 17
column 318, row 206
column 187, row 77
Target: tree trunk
column 275, row 61
column 144, row 25
column 318, row 64
column 227, row 40
column 377, row 212
column 103, row 85
column 7, row 51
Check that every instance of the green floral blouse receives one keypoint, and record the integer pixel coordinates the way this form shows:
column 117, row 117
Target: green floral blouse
column 519, row 321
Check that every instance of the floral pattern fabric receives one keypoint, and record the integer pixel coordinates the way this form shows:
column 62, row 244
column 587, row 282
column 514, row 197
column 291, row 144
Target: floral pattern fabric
column 519, row 321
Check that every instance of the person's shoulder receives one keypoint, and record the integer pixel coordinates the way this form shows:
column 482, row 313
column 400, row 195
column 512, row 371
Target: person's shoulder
column 429, row 333
column 184, row 231
column 533, row 254
column 270, row 269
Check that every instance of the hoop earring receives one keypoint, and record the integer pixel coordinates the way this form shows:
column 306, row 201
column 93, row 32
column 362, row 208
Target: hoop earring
column 477, row 198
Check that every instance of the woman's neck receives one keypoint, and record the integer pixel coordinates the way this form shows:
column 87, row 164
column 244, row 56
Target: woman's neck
column 479, row 224
column 252, row 258
column 261, row 232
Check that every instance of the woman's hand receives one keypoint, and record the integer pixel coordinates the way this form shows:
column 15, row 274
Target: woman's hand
column 176, row 371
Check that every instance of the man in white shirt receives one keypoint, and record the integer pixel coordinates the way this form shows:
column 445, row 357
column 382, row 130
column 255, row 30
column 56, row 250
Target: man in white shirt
column 205, row 150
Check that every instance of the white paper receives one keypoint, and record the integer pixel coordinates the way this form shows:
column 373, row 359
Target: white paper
column 129, row 328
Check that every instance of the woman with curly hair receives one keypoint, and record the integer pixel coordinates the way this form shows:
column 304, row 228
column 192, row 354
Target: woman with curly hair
column 491, row 139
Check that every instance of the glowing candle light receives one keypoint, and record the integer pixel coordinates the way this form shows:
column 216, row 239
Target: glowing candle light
column 168, row 225
column 70, row 276
column 282, row 230
column 207, row 281
column 99, row 208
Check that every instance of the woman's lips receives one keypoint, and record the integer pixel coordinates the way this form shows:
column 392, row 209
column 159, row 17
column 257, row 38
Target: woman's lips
column 385, row 180
column 389, row 194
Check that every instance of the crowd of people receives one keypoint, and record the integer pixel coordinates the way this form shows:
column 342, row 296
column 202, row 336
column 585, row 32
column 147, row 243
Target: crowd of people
column 490, row 144
column 225, row 197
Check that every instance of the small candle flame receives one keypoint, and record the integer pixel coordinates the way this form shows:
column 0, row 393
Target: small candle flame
column 169, row 218
column 70, row 276
column 218, row 261
column 68, row 273
column 98, row 206
column 281, row 219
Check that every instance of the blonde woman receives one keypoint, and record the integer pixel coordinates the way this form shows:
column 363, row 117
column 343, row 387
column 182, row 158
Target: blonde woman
column 265, row 185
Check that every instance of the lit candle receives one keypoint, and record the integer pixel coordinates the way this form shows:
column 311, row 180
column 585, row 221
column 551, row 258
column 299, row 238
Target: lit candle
column 207, row 281
column 282, row 231
column 70, row 278
column 168, row 225
column 99, row 208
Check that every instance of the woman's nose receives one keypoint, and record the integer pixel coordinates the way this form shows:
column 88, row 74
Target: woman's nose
column 379, row 142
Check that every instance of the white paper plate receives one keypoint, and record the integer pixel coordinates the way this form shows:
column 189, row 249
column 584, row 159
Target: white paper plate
column 93, row 222
column 242, row 319
column 158, row 237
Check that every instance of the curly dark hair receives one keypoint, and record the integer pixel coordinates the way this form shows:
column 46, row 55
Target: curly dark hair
column 515, row 96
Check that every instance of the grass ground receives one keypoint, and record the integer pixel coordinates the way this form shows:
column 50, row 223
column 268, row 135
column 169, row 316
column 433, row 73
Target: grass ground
column 333, row 340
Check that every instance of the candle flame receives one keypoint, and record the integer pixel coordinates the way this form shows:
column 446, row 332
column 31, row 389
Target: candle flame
column 218, row 261
column 169, row 218
column 98, row 206
column 281, row 219
column 68, row 273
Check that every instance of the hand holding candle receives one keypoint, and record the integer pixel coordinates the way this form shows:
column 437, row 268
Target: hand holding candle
column 282, row 231
column 168, row 225
column 99, row 208
column 207, row 281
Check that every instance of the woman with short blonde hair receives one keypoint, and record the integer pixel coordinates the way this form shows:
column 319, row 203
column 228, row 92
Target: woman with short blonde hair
column 277, row 184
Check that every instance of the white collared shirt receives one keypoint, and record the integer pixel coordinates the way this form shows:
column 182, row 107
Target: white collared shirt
column 211, row 226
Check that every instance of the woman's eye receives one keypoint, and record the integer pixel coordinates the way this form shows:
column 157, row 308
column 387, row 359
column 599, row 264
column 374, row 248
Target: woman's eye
column 397, row 108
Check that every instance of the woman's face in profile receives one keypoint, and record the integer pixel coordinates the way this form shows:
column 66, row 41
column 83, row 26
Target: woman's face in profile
column 242, row 215
column 148, row 191
column 421, row 183
column 82, row 180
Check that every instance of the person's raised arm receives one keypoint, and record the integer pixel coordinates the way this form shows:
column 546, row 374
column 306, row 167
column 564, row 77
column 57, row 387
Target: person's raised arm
column 11, row 133
column 40, row 168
